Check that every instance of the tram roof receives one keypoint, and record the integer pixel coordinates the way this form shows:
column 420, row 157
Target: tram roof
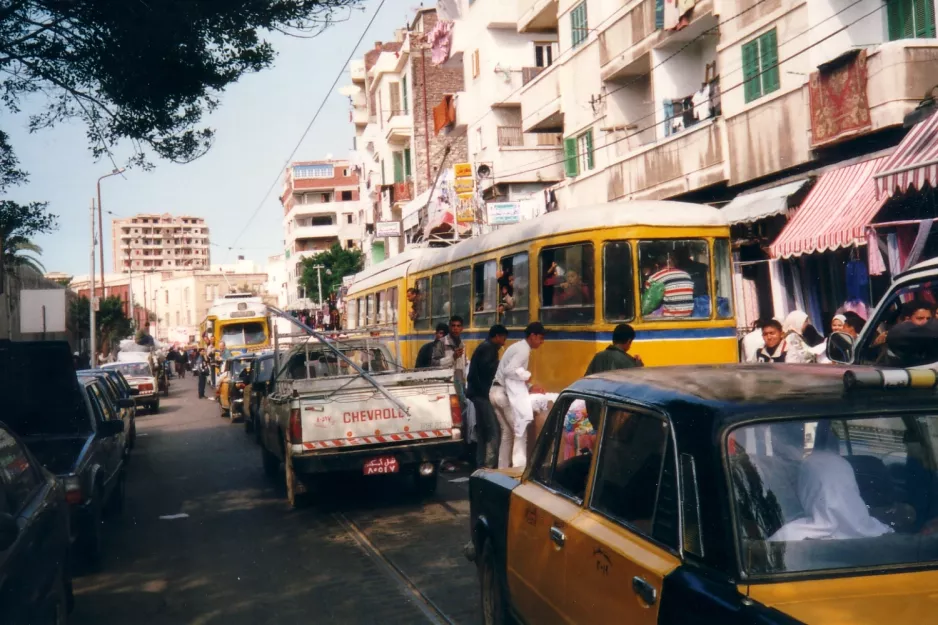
column 608, row 215
column 390, row 269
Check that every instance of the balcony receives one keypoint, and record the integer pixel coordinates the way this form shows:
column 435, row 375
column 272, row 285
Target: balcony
column 504, row 85
column 314, row 232
column 536, row 16
column 900, row 72
column 359, row 116
column 540, row 103
column 529, row 162
column 403, row 191
column 357, row 71
column 398, row 128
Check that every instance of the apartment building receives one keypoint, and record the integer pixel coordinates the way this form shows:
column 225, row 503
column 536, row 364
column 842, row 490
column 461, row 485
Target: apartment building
column 148, row 242
column 393, row 92
column 321, row 207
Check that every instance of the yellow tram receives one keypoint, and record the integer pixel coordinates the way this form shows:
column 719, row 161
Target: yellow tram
column 580, row 273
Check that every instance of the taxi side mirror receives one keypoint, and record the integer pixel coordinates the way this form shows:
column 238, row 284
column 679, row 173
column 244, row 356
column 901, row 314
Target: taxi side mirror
column 840, row 348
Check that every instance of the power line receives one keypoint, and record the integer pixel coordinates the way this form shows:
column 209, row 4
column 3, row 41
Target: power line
column 309, row 126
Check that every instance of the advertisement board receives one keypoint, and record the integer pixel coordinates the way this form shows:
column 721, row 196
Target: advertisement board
column 503, row 213
column 388, row 229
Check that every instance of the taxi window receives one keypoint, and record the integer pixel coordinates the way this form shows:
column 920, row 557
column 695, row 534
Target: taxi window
column 896, row 308
column 565, row 447
column 835, row 493
column 636, row 475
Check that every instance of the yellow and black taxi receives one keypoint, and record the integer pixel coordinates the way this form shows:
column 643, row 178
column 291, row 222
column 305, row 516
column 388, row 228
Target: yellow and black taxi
column 726, row 495
column 231, row 381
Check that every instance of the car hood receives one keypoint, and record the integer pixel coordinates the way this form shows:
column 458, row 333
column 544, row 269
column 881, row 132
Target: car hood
column 882, row 598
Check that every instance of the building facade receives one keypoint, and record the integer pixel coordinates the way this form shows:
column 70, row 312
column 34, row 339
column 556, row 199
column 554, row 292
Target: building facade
column 164, row 242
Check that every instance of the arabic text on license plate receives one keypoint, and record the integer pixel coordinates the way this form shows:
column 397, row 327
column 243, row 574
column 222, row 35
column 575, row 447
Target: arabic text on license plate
column 380, row 465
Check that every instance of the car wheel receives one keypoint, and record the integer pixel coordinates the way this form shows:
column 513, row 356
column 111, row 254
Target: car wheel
column 494, row 608
column 271, row 462
column 115, row 504
column 426, row 484
column 155, row 407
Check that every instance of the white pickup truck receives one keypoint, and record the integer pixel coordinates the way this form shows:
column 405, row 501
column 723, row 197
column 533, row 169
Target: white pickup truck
column 346, row 407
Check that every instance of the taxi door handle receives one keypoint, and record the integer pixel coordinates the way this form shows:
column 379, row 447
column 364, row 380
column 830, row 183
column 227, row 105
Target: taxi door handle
column 557, row 535
column 645, row 591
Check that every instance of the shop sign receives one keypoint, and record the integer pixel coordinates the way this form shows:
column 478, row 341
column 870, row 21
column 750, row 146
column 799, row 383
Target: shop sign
column 388, row 229
column 465, row 210
column 462, row 170
column 503, row 213
column 463, row 186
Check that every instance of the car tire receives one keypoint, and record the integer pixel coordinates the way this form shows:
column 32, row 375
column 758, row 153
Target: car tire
column 426, row 484
column 494, row 605
column 155, row 407
column 115, row 505
column 271, row 463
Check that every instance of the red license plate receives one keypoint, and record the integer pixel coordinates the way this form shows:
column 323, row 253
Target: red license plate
column 381, row 465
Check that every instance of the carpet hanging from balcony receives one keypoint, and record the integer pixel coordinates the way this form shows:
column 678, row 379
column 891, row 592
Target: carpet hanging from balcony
column 839, row 104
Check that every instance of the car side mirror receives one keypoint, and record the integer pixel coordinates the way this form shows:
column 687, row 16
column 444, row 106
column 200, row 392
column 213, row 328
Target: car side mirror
column 840, row 348
column 125, row 402
column 9, row 531
column 110, row 428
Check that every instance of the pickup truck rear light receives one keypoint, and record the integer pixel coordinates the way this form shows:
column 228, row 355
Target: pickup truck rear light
column 72, row 486
column 296, row 426
column 455, row 410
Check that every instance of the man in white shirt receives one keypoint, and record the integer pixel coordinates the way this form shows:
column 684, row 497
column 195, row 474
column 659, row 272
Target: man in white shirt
column 509, row 397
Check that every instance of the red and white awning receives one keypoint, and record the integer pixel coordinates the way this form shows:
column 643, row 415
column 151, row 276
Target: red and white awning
column 835, row 213
column 914, row 162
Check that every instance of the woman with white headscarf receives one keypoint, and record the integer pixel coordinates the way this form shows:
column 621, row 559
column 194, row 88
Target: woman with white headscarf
column 796, row 348
column 820, row 351
column 830, row 498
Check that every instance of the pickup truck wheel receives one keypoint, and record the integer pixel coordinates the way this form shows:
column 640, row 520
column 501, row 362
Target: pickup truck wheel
column 494, row 607
column 271, row 462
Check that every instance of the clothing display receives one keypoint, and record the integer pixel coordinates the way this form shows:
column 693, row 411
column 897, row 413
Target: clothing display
column 892, row 251
column 877, row 266
column 701, row 103
column 858, row 282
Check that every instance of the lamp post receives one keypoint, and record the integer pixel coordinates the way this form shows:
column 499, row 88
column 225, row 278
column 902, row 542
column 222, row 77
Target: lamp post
column 114, row 172
column 319, row 269
column 91, row 313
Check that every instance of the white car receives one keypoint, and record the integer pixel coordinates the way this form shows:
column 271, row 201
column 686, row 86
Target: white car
column 140, row 376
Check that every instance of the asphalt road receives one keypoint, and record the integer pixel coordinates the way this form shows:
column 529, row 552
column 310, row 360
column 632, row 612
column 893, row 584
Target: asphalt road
column 368, row 550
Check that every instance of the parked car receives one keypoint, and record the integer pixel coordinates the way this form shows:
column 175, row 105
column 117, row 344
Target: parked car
column 35, row 578
column 121, row 398
column 71, row 427
column 696, row 495
column 255, row 391
column 231, row 382
column 142, row 378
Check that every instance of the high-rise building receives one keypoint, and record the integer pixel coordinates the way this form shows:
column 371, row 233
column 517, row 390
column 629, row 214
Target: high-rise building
column 149, row 242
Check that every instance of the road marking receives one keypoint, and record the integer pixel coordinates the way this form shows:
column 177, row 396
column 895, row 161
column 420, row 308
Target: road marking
column 173, row 517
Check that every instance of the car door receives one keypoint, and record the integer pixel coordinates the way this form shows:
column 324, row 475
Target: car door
column 114, row 395
column 30, row 564
column 627, row 539
column 111, row 446
column 541, row 511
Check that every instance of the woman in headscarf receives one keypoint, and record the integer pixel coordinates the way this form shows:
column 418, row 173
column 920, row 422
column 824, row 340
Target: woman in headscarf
column 820, row 350
column 797, row 349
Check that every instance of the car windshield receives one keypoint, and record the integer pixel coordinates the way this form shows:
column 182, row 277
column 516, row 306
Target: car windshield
column 319, row 361
column 131, row 369
column 237, row 366
column 913, row 302
column 251, row 333
column 838, row 493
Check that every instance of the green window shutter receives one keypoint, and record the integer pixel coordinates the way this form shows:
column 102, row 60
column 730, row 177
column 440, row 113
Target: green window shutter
column 407, row 167
column 751, row 85
column 907, row 13
column 404, row 103
column 589, row 149
column 578, row 25
column 398, row 167
column 571, row 168
column 768, row 53
column 924, row 12
column 894, row 19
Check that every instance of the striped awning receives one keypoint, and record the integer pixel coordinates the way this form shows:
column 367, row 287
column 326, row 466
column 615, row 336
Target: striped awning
column 834, row 214
column 914, row 162
column 752, row 206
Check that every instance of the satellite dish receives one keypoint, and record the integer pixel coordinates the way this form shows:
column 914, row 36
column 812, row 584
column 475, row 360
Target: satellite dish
column 483, row 171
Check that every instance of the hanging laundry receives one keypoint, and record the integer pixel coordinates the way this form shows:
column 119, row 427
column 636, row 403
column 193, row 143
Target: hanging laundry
column 671, row 14
column 858, row 282
column 668, row 114
column 701, row 103
column 677, row 125
column 877, row 265
column 918, row 246
column 906, row 238
column 892, row 251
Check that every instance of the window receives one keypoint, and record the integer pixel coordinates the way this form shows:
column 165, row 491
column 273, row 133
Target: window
column 348, row 218
column 166, row 296
column 513, row 292
column 392, row 304
column 370, row 314
column 618, row 293
column 543, row 54
column 675, row 279
column 380, row 304
column 405, row 105
column 461, row 292
column 636, row 475
column 346, row 196
column 584, row 146
column 421, row 305
column 408, row 172
column 398, row 159
column 475, row 64
column 439, row 299
column 724, row 278
column 567, row 284
column 579, row 30
column 894, row 308
column 362, row 312
column 485, row 294
column 760, row 66
column 395, row 89
column 17, row 475
column 565, row 447
column 351, row 314
column 910, row 19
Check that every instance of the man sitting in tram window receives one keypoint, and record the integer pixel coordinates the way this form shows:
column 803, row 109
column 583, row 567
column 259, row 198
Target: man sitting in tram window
column 668, row 291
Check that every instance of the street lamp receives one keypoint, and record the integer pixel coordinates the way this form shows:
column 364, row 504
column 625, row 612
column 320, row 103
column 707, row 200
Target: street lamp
column 319, row 269
column 114, row 172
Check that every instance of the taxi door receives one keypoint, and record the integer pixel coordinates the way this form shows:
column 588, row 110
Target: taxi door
column 625, row 542
column 541, row 512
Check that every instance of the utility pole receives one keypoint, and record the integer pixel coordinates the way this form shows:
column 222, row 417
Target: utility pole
column 319, row 269
column 130, row 285
column 91, row 315
column 114, row 172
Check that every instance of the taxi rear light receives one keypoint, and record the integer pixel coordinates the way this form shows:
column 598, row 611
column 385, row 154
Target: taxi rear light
column 145, row 387
column 296, row 426
column 455, row 410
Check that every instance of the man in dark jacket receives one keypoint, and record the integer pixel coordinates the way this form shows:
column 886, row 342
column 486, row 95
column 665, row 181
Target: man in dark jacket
column 914, row 344
column 482, row 369
column 616, row 356
column 425, row 355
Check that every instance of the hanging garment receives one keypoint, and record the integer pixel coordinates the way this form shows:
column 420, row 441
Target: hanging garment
column 918, row 246
column 668, row 114
column 858, row 282
column 892, row 251
column 858, row 307
column 877, row 265
column 701, row 103
column 671, row 14
column 906, row 236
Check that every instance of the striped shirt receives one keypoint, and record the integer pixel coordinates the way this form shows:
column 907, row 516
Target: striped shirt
column 678, row 292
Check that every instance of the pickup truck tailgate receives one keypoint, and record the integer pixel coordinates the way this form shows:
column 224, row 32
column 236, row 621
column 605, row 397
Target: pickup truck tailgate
column 363, row 416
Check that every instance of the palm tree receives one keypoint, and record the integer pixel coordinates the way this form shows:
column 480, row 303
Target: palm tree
column 18, row 252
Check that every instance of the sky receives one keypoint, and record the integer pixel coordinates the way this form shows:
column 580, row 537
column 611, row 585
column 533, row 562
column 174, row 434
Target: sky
column 257, row 125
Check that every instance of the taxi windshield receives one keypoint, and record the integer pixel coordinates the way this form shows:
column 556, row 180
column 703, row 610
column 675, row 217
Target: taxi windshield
column 837, row 493
column 131, row 369
column 250, row 333
column 237, row 366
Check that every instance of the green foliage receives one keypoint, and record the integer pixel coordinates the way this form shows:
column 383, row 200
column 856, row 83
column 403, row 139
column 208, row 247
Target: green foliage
column 111, row 322
column 336, row 264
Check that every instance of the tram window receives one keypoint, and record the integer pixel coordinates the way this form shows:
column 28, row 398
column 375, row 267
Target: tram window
column 351, row 314
column 421, row 305
column 362, row 310
column 439, row 299
column 567, row 285
column 513, row 296
column 392, row 304
column 461, row 292
column 380, row 305
column 675, row 279
column 724, row 278
column 371, row 310
column 618, row 294
column 484, row 294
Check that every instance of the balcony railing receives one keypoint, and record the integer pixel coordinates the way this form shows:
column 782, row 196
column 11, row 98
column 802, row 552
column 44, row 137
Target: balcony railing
column 551, row 139
column 530, row 73
column 510, row 137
